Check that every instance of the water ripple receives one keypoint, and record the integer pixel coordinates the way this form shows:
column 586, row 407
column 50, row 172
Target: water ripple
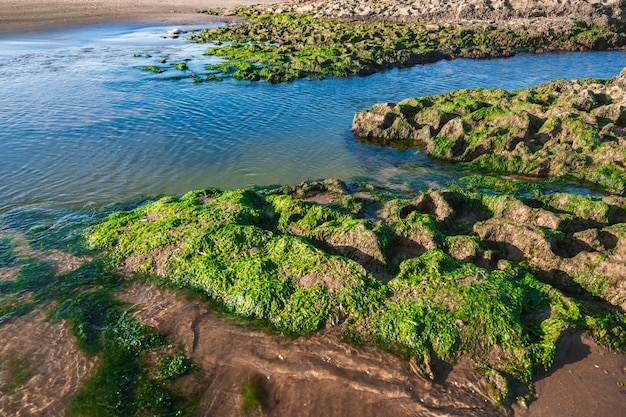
column 80, row 124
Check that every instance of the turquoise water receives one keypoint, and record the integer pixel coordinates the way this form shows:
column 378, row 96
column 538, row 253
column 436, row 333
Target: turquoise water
column 81, row 125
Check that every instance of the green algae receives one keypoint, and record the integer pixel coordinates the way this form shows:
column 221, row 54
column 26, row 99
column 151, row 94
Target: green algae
column 450, row 308
column 282, row 47
column 20, row 371
column 154, row 68
column 254, row 394
column 490, row 184
column 246, row 264
column 560, row 130
column 122, row 383
column 406, row 282
column 7, row 252
column 181, row 66
column 420, row 280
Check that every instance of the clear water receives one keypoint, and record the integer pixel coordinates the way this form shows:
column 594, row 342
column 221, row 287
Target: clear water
column 82, row 125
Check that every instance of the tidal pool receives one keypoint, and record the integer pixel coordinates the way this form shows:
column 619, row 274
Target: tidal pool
column 82, row 125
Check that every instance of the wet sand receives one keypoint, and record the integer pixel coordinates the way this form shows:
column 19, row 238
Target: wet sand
column 318, row 376
column 23, row 16
column 322, row 375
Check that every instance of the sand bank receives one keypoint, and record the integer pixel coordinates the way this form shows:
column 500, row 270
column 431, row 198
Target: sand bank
column 35, row 15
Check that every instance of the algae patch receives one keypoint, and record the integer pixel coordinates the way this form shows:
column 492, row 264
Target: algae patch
column 124, row 382
column 560, row 129
column 281, row 47
column 436, row 278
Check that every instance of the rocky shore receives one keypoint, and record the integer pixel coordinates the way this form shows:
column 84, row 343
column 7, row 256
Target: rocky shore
column 561, row 129
column 512, row 13
column 286, row 41
column 490, row 271
column 450, row 302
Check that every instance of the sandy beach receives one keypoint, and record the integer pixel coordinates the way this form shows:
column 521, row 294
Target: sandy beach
column 30, row 15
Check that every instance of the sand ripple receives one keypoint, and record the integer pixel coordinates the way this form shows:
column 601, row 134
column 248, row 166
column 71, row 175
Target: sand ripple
column 40, row 367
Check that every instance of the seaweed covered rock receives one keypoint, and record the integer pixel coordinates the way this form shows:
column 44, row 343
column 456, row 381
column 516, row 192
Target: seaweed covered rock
column 569, row 129
column 275, row 45
column 499, row 11
column 489, row 270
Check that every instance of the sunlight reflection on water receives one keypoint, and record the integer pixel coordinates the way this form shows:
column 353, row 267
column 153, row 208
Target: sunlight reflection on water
column 82, row 124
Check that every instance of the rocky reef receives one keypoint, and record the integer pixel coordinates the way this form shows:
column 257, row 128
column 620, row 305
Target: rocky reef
column 509, row 12
column 489, row 270
column 561, row 129
column 277, row 46
column 289, row 40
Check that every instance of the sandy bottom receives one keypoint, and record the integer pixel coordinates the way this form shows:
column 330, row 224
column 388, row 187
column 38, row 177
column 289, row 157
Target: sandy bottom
column 315, row 376
column 34, row 15
column 40, row 367
column 586, row 381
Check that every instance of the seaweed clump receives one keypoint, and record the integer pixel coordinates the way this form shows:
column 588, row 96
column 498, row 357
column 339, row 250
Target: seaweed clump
column 279, row 46
column 126, row 380
column 561, row 129
column 435, row 278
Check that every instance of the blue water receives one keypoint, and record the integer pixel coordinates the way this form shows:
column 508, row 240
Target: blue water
column 82, row 125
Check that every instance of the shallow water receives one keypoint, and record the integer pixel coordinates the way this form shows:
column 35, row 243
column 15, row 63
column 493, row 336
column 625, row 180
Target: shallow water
column 82, row 125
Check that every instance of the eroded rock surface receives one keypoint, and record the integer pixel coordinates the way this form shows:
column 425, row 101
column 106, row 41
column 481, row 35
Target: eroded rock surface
column 570, row 129
column 501, row 11
column 490, row 271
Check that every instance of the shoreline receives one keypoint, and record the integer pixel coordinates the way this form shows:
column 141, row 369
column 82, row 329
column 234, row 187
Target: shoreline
column 27, row 16
column 30, row 16
column 578, row 355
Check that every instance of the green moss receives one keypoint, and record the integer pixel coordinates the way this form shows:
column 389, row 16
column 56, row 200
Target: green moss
column 273, row 257
column 502, row 164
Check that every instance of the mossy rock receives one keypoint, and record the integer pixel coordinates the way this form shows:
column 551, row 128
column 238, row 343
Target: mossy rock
column 562, row 129
column 450, row 274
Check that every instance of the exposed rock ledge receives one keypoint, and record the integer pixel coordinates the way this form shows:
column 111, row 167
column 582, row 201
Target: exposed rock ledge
column 503, row 12
column 569, row 129
column 489, row 270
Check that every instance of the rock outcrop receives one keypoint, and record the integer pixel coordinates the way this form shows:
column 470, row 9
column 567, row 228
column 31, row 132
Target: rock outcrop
column 490, row 271
column 568, row 129
column 502, row 12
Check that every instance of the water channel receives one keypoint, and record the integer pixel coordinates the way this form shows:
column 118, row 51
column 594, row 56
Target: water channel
column 81, row 124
